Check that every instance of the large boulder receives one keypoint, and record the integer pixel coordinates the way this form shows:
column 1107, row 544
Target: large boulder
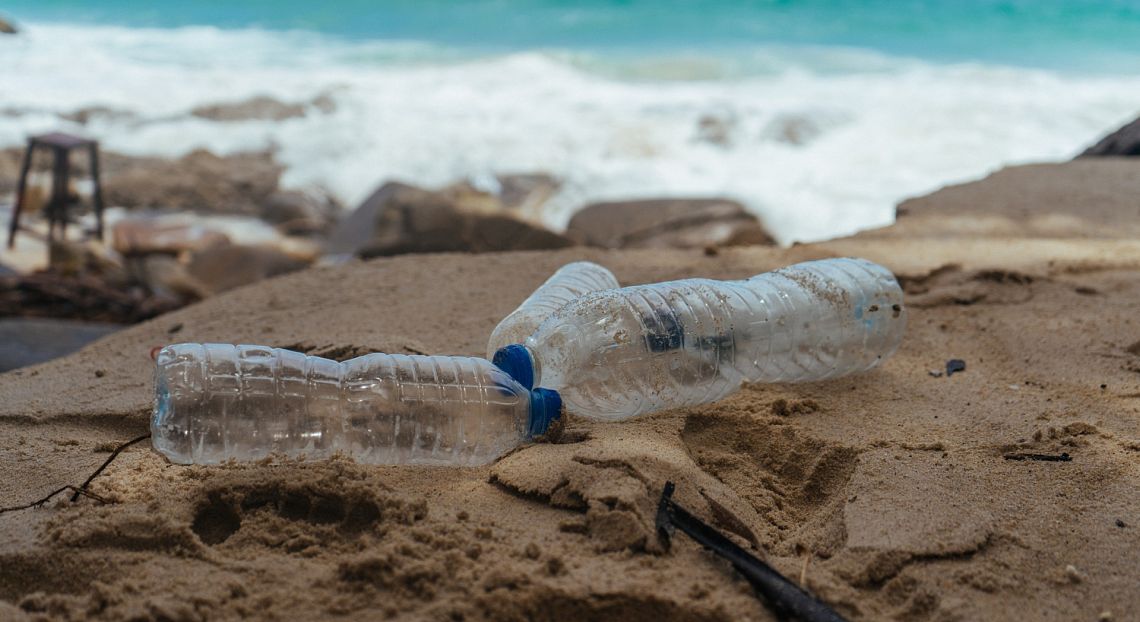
column 7, row 27
column 399, row 219
column 199, row 181
column 667, row 223
column 1123, row 142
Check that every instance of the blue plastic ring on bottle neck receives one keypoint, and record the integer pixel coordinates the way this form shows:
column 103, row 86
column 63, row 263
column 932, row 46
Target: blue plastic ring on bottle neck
column 515, row 360
column 545, row 409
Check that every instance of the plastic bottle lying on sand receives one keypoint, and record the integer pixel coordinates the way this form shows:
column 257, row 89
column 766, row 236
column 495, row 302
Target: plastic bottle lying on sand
column 216, row 402
column 624, row 352
column 569, row 282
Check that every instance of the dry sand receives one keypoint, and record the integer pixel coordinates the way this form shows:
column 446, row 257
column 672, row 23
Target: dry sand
column 887, row 494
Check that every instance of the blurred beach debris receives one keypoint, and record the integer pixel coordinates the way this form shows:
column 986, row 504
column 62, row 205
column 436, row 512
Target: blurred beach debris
column 7, row 27
column 667, row 223
column 1123, row 142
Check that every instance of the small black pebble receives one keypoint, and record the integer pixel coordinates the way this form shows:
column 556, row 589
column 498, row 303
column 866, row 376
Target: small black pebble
column 99, row 373
column 1120, row 523
column 954, row 365
column 174, row 329
column 1104, row 386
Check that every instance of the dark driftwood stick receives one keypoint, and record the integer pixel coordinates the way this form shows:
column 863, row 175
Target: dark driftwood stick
column 784, row 596
column 114, row 454
column 34, row 504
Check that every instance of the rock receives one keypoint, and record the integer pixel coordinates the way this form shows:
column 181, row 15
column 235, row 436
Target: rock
column 399, row 219
column 1086, row 197
column 1123, row 142
column 7, row 27
column 716, row 129
column 667, row 223
column 83, row 116
column 300, row 212
column 354, row 231
column 227, row 267
column 199, row 181
column 792, row 129
column 73, row 257
column 526, row 192
column 262, row 108
column 145, row 236
column 166, row 276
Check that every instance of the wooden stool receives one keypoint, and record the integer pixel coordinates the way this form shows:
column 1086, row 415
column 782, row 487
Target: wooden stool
column 60, row 202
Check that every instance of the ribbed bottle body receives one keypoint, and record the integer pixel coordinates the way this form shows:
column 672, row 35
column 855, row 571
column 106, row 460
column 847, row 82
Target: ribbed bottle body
column 569, row 282
column 624, row 352
column 218, row 402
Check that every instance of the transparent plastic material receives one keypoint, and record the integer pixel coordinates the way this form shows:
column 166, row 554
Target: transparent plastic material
column 216, row 402
column 624, row 352
column 568, row 283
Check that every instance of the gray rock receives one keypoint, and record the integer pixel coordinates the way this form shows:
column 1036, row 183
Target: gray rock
column 1123, row 142
column 667, row 223
column 527, row 192
column 83, row 116
column 199, row 181
column 400, row 219
column 792, row 129
column 716, row 129
column 263, row 108
column 300, row 212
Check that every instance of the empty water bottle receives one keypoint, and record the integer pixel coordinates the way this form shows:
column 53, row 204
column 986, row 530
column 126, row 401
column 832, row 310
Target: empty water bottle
column 623, row 352
column 568, row 283
column 217, row 402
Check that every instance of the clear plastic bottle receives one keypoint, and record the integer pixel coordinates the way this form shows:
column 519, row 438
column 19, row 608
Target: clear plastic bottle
column 216, row 402
column 624, row 352
column 569, row 282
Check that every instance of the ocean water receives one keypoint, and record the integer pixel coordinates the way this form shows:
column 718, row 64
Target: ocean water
column 819, row 116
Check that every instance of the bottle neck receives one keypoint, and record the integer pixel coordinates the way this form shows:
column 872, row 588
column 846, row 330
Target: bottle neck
column 545, row 409
column 518, row 361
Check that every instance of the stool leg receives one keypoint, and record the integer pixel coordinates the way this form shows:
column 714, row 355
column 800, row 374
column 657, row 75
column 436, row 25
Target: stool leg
column 21, row 186
column 98, row 192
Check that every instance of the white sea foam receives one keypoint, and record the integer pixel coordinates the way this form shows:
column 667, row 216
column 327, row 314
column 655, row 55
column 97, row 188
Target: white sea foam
column 818, row 142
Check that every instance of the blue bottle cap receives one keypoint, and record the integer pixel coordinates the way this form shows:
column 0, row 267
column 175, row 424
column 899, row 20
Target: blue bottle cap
column 545, row 409
column 515, row 360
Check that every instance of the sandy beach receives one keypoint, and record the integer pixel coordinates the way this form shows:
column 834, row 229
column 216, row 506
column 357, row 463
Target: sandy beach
column 891, row 495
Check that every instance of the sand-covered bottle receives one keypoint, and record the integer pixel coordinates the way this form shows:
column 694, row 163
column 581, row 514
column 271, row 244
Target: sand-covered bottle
column 624, row 352
column 219, row 402
column 569, row 282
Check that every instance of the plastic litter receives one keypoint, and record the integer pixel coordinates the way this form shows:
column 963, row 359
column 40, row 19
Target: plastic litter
column 216, row 402
column 623, row 352
column 569, row 282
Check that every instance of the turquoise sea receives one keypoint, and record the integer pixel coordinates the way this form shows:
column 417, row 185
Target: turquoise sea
column 1067, row 34
column 819, row 115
